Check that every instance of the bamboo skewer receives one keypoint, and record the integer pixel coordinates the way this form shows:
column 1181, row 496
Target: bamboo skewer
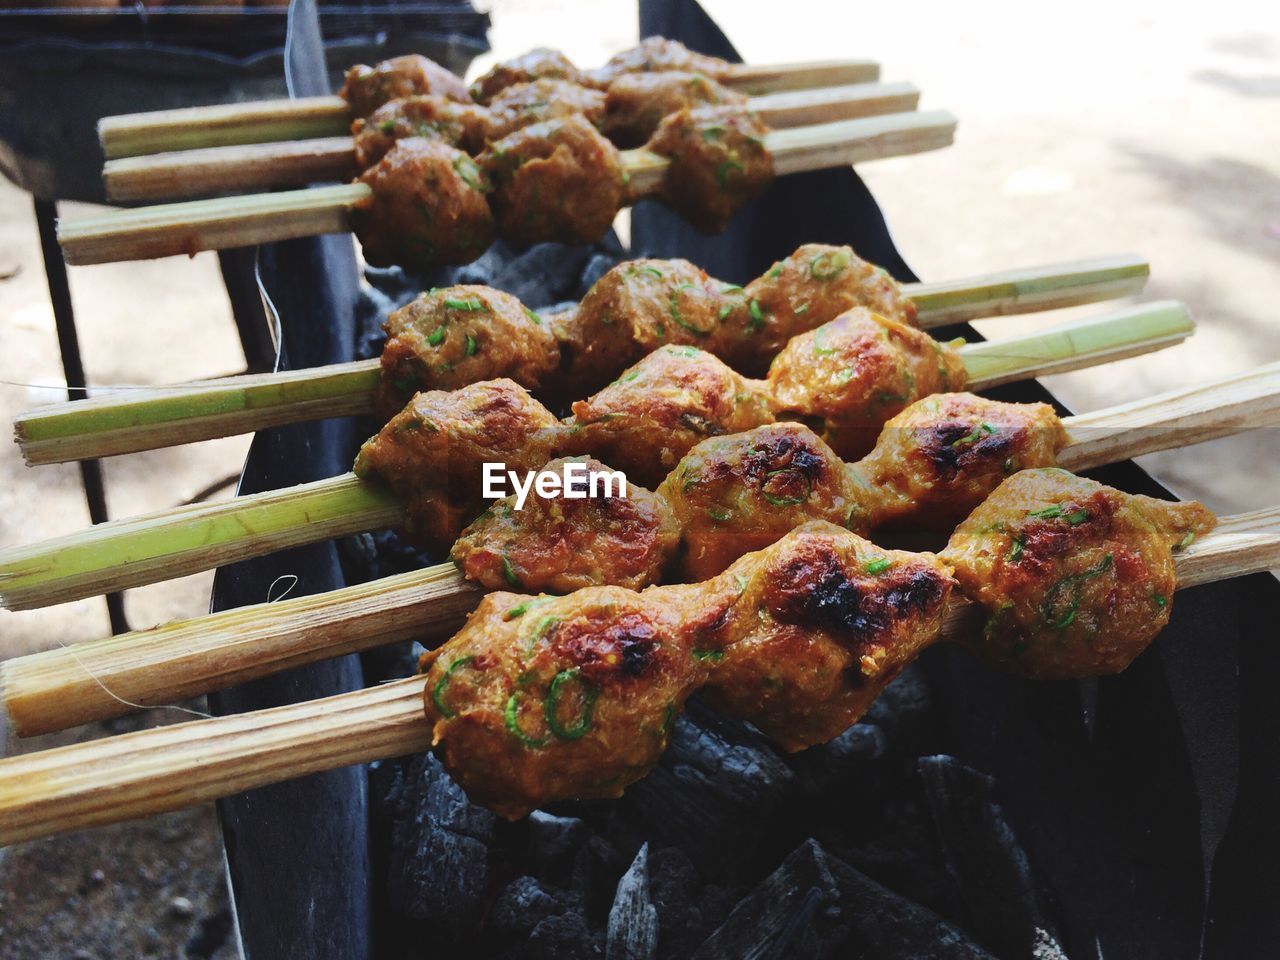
column 193, row 226
column 64, row 687
column 296, row 162
column 170, row 415
column 263, row 121
column 167, row 768
column 120, row 554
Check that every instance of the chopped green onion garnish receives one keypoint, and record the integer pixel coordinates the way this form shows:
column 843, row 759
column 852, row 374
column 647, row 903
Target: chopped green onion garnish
column 1186, row 541
column 722, row 171
column 589, row 694
column 1078, row 517
column 533, row 316
column 1015, row 551
column 757, row 317
column 471, row 346
column 719, row 514
column 879, row 565
column 471, row 306
column 708, row 656
column 436, row 337
column 1160, row 599
column 652, row 270
column 437, row 692
column 509, row 572
column 785, row 501
column 1048, row 513
column 512, row 717
column 1074, row 583
column 826, row 266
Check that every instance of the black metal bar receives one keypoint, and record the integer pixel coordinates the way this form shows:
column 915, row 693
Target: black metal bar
column 246, row 307
column 69, row 347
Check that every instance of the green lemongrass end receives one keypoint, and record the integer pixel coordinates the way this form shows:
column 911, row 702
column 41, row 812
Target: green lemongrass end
column 1073, row 346
column 128, row 553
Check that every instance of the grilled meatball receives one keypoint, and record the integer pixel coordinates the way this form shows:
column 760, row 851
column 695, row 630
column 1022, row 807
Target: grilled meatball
column 718, row 161
column 428, row 207
column 633, row 309
column 367, row 88
column 560, row 544
column 637, row 102
column 811, row 287
column 454, row 336
column 1076, row 578
column 652, row 415
column 523, row 104
column 432, row 453
column 461, row 125
column 559, row 180
column 824, row 622
column 537, row 64
column 856, row 372
column 945, row 454
column 739, row 493
column 554, row 698
column 657, row 55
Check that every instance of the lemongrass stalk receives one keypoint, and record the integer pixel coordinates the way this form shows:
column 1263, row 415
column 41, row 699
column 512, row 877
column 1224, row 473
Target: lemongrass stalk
column 1029, row 289
column 67, row 686
column 120, row 554
column 292, row 163
column 776, row 77
column 100, row 679
column 261, row 121
column 183, row 413
column 167, row 768
column 1071, row 346
column 224, row 222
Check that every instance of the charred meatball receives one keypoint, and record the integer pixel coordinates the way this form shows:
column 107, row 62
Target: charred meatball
column 461, row 125
column 811, row 287
column 657, row 55
column 824, row 622
column 428, row 207
column 651, row 416
column 367, row 88
column 718, row 161
column 537, row 64
column 745, row 491
column 560, row 180
column 432, row 453
column 619, row 537
column 852, row 374
column 454, row 336
column 1076, row 578
column 555, row 698
column 633, row 309
column 523, row 104
column 637, row 102
column 945, row 454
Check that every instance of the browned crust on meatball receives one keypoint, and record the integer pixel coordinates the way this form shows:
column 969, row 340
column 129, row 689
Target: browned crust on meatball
column 1076, row 578
column 652, row 415
column 461, row 125
column 545, row 699
column 560, row 180
column 943, row 455
column 851, row 375
column 637, row 102
column 824, row 623
column 657, row 55
column 454, row 336
column 537, row 64
column 524, row 104
column 718, row 162
column 429, row 207
column 432, row 453
column 562, row 544
column 742, row 492
column 367, row 88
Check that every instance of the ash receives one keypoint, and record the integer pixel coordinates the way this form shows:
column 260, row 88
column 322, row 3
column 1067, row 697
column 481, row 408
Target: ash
column 872, row 846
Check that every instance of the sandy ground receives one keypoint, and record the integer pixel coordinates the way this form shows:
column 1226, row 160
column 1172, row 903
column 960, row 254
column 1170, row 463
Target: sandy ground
column 1140, row 127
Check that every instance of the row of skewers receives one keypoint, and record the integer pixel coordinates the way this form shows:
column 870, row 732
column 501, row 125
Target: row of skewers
column 744, row 576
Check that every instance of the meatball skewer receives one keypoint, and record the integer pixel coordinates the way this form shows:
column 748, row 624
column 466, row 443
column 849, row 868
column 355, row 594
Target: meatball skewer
column 862, row 370
column 433, row 345
column 812, row 589
column 561, row 545
column 367, row 88
column 427, row 203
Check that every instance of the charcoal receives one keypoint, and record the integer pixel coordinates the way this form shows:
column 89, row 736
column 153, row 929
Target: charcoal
column 845, row 773
column 563, row 937
column 984, row 858
column 439, row 862
column 714, row 792
column 596, row 869
column 815, row 905
column 554, row 842
column 525, row 902
column 633, row 919
column 904, row 714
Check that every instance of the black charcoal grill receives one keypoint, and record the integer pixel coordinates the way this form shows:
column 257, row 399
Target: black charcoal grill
column 970, row 816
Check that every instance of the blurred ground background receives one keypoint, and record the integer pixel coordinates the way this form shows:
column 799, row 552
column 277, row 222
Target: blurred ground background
column 1140, row 127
